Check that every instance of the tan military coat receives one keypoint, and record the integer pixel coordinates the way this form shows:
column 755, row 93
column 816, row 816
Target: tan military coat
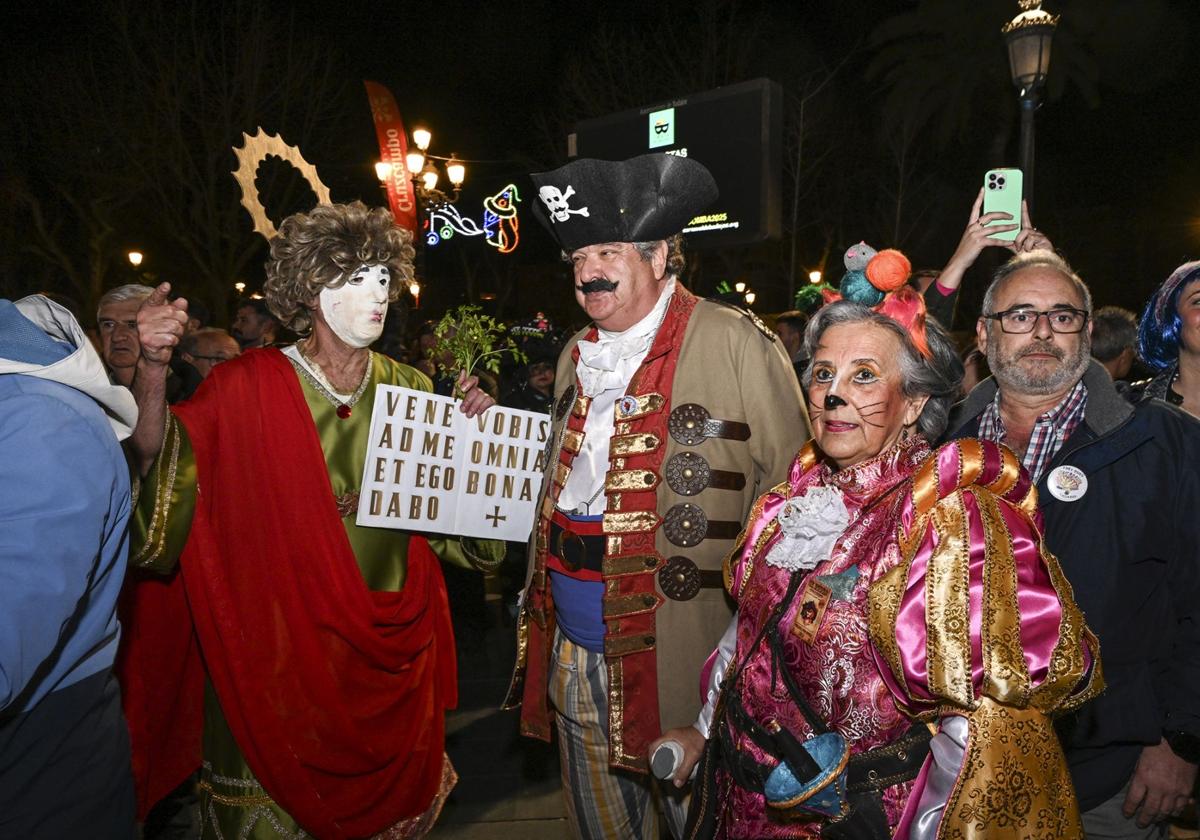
column 719, row 417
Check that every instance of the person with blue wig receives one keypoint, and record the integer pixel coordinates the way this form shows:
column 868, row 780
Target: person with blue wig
column 1169, row 341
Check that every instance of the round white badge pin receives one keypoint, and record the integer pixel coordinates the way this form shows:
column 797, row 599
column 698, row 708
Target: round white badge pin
column 1067, row 483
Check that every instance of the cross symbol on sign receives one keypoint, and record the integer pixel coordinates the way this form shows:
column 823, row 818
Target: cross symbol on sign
column 495, row 516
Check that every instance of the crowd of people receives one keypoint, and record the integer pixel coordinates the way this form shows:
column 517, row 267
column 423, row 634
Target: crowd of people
column 841, row 576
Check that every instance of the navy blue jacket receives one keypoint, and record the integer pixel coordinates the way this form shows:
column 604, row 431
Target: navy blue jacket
column 1130, row 546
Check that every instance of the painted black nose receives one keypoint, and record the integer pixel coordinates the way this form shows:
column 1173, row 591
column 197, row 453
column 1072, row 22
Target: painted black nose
column 833, row 401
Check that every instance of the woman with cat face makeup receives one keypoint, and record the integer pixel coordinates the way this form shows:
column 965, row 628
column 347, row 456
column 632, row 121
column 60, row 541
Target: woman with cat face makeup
column 887, row 591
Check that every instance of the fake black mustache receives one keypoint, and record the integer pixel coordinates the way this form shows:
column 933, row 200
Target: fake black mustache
column 597, row 285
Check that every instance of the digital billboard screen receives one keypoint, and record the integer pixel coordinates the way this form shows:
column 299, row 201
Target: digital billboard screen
column 736, row 131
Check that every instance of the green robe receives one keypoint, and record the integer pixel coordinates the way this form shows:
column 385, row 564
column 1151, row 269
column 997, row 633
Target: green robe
column 233, row 804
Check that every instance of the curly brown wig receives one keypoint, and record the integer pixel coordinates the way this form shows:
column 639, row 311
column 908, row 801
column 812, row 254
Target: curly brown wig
column 321, row 248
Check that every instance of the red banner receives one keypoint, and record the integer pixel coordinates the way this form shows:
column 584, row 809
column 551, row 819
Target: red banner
column 393, row 146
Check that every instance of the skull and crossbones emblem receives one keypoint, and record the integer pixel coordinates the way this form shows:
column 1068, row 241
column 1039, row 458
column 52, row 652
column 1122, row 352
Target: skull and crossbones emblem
column 556, row 203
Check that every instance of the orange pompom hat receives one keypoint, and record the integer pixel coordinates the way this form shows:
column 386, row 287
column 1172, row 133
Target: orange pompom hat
column 888, row 270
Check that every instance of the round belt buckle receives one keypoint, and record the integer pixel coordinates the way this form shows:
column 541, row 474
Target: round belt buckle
column 685, row 525
column 688, row 473
column 686, row 423
column 571, row 550
column 679, row 579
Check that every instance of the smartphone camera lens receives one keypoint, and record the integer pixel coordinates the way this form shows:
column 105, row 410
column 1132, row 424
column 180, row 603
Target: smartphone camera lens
column 1000, row 182
column 992, row 176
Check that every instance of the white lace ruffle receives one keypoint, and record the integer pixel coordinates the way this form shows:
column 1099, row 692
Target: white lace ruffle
column 810, row 525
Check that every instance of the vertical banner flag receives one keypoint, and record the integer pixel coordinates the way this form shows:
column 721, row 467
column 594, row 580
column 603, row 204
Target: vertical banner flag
column 393, row 146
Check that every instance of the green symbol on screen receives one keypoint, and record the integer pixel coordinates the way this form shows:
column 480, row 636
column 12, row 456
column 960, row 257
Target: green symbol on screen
column 662, row 128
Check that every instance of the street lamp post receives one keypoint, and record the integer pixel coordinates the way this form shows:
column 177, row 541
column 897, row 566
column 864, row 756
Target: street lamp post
column 1028, row 37
column 425, row 177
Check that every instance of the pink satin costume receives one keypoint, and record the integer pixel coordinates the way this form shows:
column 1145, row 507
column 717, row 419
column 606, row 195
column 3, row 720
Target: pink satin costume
column 957, row 609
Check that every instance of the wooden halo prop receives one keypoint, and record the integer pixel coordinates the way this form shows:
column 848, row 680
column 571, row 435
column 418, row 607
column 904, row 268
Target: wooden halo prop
column 254, row 150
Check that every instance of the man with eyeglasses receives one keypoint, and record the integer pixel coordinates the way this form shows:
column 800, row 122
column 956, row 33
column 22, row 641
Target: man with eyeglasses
column 1119, row 489
column 207, row 347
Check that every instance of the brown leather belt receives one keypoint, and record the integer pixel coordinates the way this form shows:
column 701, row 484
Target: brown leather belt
column 687, row 525
column 688, row 473
column 691, row 424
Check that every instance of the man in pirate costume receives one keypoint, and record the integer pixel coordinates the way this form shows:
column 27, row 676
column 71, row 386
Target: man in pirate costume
column 328, row 658
column 670, row 414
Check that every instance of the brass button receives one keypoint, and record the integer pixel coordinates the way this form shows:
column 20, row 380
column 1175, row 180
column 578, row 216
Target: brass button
column 648, row 600
column 651, row 562
column 691, row 424
column 650, row 441
column 648, row 478
column 647, row 640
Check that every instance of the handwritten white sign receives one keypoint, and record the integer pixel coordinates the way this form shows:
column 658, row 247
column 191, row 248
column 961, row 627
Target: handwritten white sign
column 430, row 468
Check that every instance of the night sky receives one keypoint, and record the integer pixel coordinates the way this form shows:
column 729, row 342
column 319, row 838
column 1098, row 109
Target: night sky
column 1118, row 162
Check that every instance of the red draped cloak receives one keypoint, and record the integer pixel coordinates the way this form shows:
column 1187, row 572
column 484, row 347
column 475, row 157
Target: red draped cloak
column 335, row 694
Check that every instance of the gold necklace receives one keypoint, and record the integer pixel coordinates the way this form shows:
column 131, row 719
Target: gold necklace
column 316, row 375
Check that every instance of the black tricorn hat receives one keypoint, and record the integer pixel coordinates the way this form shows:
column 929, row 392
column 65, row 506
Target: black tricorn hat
column 643, row 199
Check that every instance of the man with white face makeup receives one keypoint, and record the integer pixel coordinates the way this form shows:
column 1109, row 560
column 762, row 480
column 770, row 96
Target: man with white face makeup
column 327, row 656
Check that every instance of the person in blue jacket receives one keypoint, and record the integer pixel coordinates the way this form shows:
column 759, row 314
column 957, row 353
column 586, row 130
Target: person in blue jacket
column 1119, row 488
column 64, row 508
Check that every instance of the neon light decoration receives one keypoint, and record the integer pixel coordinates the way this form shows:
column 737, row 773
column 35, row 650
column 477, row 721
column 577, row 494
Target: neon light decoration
column 500, row 225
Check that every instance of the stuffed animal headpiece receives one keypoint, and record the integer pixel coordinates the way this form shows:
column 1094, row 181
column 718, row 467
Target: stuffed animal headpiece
column 880, row 280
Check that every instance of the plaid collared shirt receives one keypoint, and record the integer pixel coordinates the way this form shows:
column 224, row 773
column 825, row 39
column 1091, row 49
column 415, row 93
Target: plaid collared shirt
column 1050, row 431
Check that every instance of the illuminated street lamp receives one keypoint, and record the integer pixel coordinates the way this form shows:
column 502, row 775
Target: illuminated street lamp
column 455, row 171
column 1029, row 36
column 429, row 177
column 135, row 258
column 239, row 287
column 424, row 172
column 750, row 298
column 814, row 277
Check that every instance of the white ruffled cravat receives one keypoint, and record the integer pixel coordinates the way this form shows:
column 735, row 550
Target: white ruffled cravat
column 605, row 368
column 610, row 361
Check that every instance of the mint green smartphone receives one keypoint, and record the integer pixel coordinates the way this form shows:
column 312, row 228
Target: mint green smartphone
column 1002, row 190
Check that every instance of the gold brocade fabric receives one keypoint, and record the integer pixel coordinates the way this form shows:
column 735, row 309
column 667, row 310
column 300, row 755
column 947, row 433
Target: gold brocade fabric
column 971, row 547
column 1002, row 792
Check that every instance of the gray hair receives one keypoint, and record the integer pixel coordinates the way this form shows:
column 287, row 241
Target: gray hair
column 130, row 291
column 1035, row 259
column 675, row 258
column 937, row 378
column 1113, row 331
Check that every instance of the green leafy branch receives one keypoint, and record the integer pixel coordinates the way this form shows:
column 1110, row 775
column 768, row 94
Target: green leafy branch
column 473, row 341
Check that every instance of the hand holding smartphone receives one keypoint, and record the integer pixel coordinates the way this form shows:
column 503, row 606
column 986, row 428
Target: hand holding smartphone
column 1002, row 189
